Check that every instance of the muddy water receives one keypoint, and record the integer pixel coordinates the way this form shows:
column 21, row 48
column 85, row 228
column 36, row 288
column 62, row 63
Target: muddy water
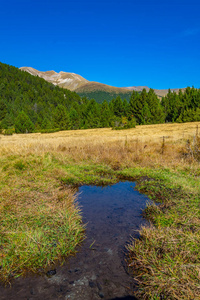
column 98, row 271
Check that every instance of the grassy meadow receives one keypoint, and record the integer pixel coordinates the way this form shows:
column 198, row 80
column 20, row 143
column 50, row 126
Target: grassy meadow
column 41, row 221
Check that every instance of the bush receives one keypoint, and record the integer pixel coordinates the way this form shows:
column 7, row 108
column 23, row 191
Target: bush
column 50, row 130
column 8, row 131
column 125, row 124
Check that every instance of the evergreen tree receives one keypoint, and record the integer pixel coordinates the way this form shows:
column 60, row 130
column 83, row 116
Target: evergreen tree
column 172, row 106
column 106, row 115
column 92, row 114
column 138, row 107
column 125, row 108
column 8, row 121
column 23, row 124
column 46, row 124
column 3, row 110
column 134, row 107
column 61, row 118
column 197, row 115
column 118, row 107
column 74, row 119
column 155, row 108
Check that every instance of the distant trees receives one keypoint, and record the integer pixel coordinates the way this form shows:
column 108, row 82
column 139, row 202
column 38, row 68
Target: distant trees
column 182, row 107
column 146, row 107
column 29, row 103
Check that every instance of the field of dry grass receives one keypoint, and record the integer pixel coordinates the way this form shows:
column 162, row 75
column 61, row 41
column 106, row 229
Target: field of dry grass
column 145, row 133
column 143, row 144
column 40, row 170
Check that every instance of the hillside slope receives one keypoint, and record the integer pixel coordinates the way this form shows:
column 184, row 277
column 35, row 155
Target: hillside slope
column 84, row 87
column 29, row 103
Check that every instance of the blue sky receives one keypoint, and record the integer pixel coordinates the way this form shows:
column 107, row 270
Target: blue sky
column 120, row 43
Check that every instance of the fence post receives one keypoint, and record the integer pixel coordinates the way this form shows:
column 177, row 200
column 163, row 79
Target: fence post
column 163, row 146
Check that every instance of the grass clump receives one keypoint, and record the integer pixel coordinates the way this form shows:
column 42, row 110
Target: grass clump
column 166, row 259
column 40, row 223
column 166, row 263
column 95, row 174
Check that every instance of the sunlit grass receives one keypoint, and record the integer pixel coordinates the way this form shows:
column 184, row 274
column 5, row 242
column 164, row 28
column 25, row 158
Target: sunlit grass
column 166, row 259
column 41, row 223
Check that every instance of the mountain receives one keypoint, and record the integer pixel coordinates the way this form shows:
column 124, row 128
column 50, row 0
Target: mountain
column 137, row 88
column 163, row 93
column 90, row 89
column 73, row 82
column 80, row 85
column 65, row 80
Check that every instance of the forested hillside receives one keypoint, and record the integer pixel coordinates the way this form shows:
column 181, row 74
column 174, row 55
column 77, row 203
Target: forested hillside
column 100, row 96
column 31, row 104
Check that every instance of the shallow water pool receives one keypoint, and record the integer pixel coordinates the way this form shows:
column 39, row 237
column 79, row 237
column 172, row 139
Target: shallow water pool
column 112, row 215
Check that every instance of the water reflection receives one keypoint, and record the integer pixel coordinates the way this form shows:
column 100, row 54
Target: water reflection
column 98, row 271
column 112, row 215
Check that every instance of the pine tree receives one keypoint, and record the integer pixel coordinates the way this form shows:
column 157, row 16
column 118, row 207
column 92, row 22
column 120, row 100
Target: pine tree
column 125, row 108
column 106, row 115
column 138, row 107
column 118, row 107
column 3, row 110
column 134, row 107
column 74, row 119
column 172, row 106
column 155, row 108
column 23, row 124
column 61, row 118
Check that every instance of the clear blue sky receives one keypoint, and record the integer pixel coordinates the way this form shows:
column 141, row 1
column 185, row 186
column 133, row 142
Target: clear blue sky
column 120, row 43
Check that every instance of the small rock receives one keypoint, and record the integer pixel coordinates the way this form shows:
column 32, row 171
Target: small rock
column 94, row 277
column 99, row 286
column 76, row 270
column 51, row 272
column 92, row 284
column 60, row 289
column 101, row 295
column 32, row 292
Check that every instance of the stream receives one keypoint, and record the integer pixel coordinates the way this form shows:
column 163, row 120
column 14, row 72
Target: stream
column 112, row 215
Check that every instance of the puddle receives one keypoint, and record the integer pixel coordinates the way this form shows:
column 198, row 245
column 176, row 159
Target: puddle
column 98, row 271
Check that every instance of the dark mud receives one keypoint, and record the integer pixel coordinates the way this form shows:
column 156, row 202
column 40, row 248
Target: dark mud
column 99, row 269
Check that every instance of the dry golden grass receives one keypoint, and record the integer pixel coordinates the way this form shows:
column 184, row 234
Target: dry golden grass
column 145, row 133
column 143, row 144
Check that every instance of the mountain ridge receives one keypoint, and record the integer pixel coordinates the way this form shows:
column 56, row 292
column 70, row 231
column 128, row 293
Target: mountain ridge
column 79, row 84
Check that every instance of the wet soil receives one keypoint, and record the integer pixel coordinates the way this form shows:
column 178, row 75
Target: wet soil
column 99, row 269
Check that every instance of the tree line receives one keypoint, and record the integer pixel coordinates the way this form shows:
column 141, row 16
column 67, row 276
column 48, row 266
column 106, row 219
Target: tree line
column 182, row 107
column 31, row 104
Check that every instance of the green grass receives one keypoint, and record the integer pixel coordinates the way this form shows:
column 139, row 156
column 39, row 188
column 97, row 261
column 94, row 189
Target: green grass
column 166, row 258
column 40, row 223
column 87, row 174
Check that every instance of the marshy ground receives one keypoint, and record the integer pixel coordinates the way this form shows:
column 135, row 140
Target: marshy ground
column 41, row 222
